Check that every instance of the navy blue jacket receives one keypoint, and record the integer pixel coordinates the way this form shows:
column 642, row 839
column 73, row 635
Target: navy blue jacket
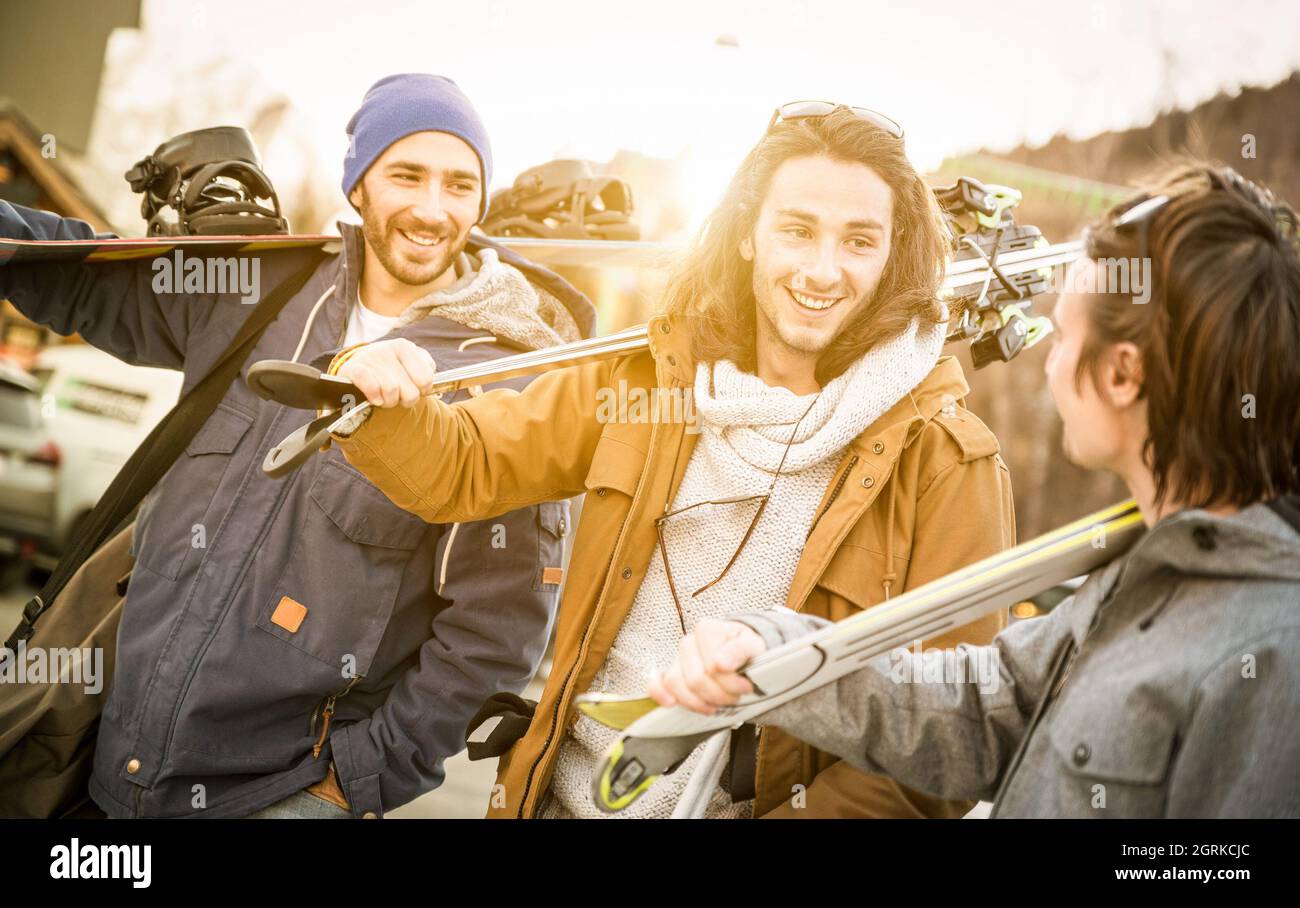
column 215, row 707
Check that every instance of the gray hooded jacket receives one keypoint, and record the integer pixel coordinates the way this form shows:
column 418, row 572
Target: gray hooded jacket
column 1167, row 686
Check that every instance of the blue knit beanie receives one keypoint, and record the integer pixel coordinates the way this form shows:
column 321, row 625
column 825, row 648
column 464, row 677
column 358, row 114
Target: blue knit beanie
column 397, row 106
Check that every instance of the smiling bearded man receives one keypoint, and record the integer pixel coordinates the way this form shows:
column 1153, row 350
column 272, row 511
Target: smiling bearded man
column 319, row 653
column 834, row 467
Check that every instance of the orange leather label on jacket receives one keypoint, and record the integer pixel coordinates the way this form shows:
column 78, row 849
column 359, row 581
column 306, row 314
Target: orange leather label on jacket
column 289, row 614
column 552, row 575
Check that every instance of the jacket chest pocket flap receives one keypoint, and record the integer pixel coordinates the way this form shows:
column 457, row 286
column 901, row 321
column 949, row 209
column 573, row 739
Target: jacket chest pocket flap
column 186, row 510
column 1121, row 742
column 852, row 579
column 362, row 513
column 350, row 554
column 221, row 434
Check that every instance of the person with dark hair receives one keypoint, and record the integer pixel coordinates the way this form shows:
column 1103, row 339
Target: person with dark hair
column 832, row 464
column 301, row 647
column 1169, row 684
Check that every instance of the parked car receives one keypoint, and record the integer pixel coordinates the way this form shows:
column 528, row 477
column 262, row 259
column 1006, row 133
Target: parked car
column 65, row 432
column 29, row 467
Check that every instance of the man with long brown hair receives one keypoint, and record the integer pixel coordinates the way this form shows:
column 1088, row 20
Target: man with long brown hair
column 1169, row 684
column 833, row 464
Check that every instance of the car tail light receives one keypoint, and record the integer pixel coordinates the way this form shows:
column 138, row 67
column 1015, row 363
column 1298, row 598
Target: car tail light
column 47, row 453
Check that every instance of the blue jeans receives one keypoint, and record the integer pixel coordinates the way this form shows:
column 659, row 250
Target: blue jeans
column 301, row 805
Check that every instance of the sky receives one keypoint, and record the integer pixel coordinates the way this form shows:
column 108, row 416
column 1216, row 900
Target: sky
column 584, row 79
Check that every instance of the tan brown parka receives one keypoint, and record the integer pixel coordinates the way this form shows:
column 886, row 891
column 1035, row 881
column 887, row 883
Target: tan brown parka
column 921, row 492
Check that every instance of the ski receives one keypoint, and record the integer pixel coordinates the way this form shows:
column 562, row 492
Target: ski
column 299, row 386
column 654, row 741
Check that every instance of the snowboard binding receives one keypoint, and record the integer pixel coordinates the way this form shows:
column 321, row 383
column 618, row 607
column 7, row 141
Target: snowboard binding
column 207, row 183
column 997, row 317
column 563, row 200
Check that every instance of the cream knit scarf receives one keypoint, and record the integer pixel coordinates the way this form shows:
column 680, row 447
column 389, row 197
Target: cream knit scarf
column 745, row 425
column 756, row 420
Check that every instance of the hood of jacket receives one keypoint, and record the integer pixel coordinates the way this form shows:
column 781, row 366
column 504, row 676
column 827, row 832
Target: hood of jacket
column 572, row 299
column 1253, row 544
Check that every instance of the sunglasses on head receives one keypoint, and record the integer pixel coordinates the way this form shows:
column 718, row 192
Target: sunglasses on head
column 798, row 110
column 1138, row 217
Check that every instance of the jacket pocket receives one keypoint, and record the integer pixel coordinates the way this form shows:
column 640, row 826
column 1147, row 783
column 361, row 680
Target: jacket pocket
column 338, row 589
column 552, row 529
column 185, row 513
column 1112, row 759
column 852, row 579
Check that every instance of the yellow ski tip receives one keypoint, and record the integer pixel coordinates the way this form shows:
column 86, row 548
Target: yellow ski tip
column 614, row 712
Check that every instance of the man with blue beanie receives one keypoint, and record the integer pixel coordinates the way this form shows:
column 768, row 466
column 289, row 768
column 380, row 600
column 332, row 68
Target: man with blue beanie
column 322, row 651
column 397, row 106
column 404, row 121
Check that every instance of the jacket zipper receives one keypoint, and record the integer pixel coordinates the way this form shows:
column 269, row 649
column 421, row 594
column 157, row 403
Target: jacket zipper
column 327, row 713
column 550, row 735
column 835, row 492
column 582, row 642
column 1061, row 675
column 280, row 499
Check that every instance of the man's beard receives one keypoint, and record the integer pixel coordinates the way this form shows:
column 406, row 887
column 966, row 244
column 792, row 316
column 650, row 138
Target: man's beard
column 768, row 312
column 379, row 236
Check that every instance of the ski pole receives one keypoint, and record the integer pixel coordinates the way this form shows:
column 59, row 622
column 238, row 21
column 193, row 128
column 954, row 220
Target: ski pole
column 300, row 386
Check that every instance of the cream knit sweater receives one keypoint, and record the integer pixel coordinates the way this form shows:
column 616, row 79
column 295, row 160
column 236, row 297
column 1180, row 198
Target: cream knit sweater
column 745, row 425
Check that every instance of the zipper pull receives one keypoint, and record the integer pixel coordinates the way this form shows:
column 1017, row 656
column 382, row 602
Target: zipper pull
column 835, row 493
column 324, row 728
